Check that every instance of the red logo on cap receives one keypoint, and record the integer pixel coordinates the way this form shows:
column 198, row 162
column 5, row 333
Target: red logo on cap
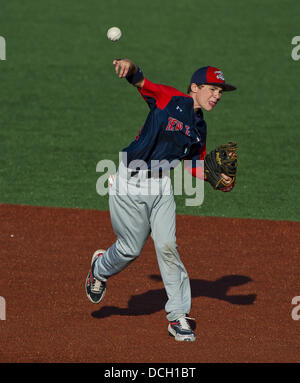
column 215, row 75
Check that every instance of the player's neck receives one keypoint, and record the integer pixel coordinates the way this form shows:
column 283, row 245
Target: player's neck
column 196, row 105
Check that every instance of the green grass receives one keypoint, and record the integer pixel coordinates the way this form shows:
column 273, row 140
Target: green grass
column 63, row 109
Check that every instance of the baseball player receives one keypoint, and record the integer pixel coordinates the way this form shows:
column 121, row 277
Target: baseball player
column 174, row 130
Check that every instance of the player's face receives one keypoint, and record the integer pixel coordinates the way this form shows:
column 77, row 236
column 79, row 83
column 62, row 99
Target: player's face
column 207, row 96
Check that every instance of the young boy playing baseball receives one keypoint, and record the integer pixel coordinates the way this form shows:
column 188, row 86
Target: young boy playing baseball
column 174, row 130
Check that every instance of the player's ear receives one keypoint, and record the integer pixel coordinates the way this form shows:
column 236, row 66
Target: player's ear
column 194, row 87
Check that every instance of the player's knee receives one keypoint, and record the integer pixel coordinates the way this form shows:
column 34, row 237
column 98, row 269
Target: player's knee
column 129, row 251
column 166, row 248
column 131, row 255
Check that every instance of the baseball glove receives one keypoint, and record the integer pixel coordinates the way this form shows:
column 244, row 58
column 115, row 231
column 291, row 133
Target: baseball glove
column 223, row 159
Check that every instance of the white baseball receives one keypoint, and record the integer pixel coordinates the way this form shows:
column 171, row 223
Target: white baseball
column 114, row 33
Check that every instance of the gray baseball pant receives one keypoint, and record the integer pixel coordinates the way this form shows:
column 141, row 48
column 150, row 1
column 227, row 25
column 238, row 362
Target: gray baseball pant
column 138, row 207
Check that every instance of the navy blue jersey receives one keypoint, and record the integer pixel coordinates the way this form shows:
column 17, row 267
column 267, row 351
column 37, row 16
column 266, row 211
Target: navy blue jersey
column 172, row 130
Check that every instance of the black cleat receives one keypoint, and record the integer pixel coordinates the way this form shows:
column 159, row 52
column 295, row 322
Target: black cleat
column 95, row 289
column 181, row 329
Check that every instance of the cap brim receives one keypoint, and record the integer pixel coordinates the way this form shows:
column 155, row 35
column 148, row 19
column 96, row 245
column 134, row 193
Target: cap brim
column 225, row 87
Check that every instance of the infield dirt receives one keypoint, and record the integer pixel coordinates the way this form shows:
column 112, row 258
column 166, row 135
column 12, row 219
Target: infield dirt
column 243, row 276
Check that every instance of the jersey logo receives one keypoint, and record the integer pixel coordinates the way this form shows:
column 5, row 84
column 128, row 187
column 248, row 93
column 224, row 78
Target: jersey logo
column 175, row 126
column 178, row 108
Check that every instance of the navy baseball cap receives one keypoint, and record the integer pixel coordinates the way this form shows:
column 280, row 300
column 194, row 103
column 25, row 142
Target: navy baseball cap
column 211, row 76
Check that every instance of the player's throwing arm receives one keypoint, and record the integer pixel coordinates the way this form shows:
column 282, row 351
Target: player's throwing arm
column 126, row 67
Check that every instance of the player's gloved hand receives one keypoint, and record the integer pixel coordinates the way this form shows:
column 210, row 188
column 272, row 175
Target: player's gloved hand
column 220, row 167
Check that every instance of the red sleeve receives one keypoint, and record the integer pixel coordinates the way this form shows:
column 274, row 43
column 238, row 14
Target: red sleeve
column 193, row 166
column 158, row 95
column 203, row 152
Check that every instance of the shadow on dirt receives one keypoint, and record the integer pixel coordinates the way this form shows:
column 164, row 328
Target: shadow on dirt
column 154, row 300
